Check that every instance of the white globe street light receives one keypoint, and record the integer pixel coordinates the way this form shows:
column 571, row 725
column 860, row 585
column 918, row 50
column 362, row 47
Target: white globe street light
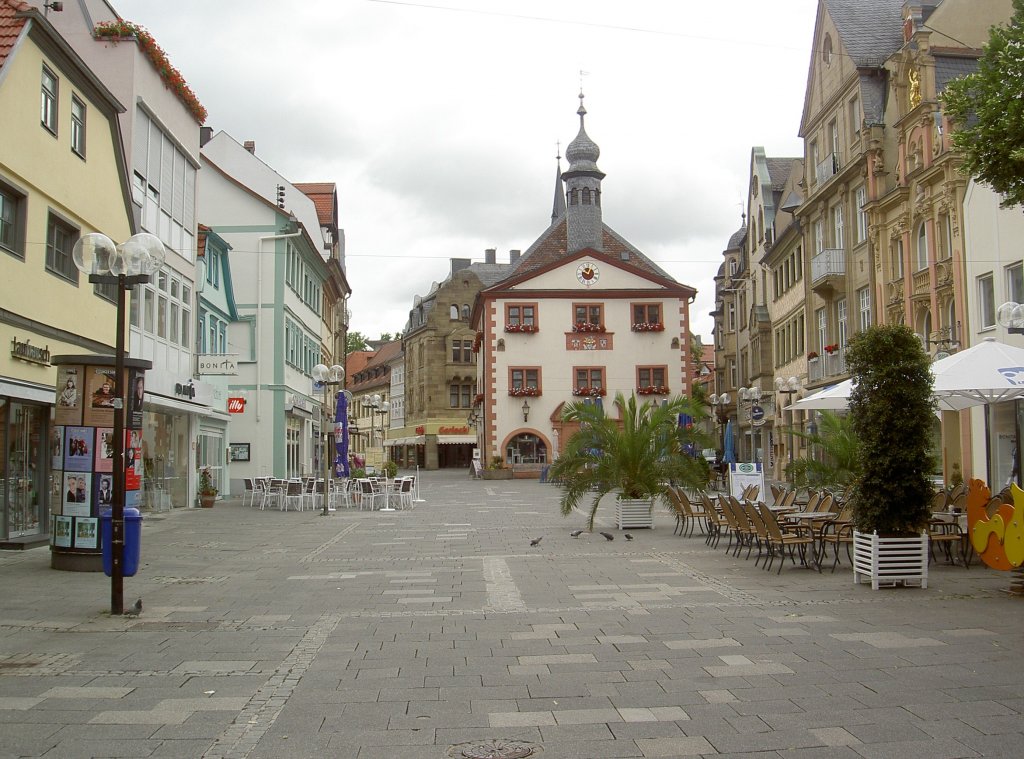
column 327, row 376
column 124, row 265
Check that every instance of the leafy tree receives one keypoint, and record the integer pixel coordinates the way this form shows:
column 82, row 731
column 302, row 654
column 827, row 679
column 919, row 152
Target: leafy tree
column 989, row 112
column 356, row 342
column 892, row 409
column 634, row 456
column 833, row 462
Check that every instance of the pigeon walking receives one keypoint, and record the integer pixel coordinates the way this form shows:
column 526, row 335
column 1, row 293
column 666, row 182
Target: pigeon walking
column 576, row 533
column 135, row 610
column 536, row 541
column 627, row 536
column 608, row 536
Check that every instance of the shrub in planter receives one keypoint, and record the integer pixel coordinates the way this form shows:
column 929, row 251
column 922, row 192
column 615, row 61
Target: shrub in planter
column 634, row 456
column 891, row 408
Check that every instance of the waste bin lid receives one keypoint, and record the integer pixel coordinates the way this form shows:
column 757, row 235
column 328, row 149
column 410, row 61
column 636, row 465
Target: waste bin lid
column 130, row 512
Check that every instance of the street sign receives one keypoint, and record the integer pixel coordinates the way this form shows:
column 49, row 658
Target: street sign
column 757, row 415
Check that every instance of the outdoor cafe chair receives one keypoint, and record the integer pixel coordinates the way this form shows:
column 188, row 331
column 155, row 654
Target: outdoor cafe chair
column 273, row 491
column 292, row 495
column 759, row 535
column 249, row 492
column 371, row 494
column 779, row 539
column 695, row 515
column 835, row 531
column 716, row 522
column 308, row 494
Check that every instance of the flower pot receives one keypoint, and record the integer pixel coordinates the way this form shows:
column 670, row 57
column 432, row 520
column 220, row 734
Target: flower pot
column 206, row 501
column 633, row 513
column 890, row 560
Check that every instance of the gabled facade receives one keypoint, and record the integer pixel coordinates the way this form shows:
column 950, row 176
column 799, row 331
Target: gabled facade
column 279, row 272
column 845, row 147
column 440, row 368
column 161, row 146
column 368, row 431
column 62, row 175
column 583, row 315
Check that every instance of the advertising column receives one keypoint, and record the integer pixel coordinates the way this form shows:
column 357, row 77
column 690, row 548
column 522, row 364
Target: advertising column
column 82, row 458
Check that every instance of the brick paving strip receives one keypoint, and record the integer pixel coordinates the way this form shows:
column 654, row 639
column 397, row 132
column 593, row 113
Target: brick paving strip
column 263, row 709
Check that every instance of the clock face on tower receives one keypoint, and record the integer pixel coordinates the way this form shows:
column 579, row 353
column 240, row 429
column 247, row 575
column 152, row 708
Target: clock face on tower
column 587, row 273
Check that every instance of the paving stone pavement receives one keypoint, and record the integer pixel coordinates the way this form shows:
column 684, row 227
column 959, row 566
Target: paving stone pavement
column 436, row 631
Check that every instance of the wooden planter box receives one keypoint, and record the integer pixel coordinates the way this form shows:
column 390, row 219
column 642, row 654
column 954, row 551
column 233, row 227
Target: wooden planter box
column 890, row 561
column 634, row 514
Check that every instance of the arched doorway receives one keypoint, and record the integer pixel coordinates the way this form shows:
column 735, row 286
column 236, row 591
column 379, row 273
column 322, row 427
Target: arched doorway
column 526, row 448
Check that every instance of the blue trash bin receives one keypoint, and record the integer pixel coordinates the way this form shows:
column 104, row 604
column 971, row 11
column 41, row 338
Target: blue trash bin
column 132, row 541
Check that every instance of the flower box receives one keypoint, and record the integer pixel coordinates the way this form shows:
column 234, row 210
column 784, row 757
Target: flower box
column 526, row 328
column 830, row 349
column 587, row 327
column 592, row 392
column 523, row 391
column 812, row 356
column 648, row 327
column 890, row 561
column 653, row 390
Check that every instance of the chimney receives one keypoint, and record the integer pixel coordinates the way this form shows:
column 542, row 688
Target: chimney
column 205, row 135
column 513, row 256
column 490, row 255
column 458, row 264
column 250, row 145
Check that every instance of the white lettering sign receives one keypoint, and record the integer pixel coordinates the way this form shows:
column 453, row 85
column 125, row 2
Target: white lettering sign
column 218, row 363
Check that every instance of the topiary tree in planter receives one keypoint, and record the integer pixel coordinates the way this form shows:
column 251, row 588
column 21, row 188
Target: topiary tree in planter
column 634, row 456
column 892, row 408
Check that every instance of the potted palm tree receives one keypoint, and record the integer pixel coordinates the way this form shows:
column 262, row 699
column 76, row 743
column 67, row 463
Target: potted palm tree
column 635, row 456
column 891, row 408
column 834, row 458
column 207, row 490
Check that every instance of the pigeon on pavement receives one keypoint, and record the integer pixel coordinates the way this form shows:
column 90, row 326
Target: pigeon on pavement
column 135, row 610
column 576, row 533
column 627, row 536
column 536, row 541
column 608, row 536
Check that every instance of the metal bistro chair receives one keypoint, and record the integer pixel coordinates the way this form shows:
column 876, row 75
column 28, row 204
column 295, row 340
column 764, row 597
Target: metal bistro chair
column 273, row 491
column 370, row 494
column 292, row 495
column 308, row 494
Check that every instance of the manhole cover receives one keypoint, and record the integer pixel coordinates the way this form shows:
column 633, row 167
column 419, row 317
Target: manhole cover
column 493, row 749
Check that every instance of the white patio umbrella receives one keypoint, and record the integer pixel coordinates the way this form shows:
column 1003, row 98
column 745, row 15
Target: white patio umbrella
column 989, row 372
column 832, row 397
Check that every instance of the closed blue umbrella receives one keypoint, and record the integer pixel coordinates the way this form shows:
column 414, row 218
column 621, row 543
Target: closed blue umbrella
column 729, row 453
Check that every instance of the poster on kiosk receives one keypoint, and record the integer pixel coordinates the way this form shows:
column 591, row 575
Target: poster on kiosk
column 742, row 476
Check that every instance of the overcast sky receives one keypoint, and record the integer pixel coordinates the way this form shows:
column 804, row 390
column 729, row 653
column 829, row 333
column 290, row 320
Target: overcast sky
column 438, row 120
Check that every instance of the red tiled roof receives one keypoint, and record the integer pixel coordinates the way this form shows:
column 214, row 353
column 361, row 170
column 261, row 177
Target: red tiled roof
column 322, row 195
column 10, row 25
column 201, row 240
column 356, row 361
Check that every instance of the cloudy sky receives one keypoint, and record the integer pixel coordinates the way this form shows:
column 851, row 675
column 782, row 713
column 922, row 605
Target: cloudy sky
column 439, row 120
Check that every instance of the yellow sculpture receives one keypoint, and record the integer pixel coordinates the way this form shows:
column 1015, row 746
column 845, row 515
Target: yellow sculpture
column 914, row 79
column 997, row 538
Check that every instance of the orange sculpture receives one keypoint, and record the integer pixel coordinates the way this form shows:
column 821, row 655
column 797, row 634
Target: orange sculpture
column 997, row 538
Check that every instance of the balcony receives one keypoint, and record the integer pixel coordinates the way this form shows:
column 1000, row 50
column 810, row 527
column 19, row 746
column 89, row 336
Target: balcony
column 827, row 168
column 828, row 270
column 826, row 366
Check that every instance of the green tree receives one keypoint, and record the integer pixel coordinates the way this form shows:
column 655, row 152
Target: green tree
column 356, row 342
column 636, row 455
column 892, row 408
column 988, row 109
column 834, row 450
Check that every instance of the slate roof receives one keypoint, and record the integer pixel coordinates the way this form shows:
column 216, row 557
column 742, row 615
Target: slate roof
column 870, row 30
column 950, row 67
column 550, row 248
column 779, row 170
column 322, row 194
column 736, row 241
column 10, row 25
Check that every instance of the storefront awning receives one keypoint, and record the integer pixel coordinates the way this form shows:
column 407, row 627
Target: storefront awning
column 415, row 440
column 456, row 439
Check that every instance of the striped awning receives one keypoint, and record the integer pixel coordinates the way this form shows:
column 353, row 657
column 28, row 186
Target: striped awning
column 456, row 439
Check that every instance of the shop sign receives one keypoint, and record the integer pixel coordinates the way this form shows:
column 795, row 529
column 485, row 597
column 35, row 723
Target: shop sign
column 185, row 390
column 218, row 363
column 236, row 405
column 464, row 430
column 420, row 430
column 298, row 402
column 31, row 353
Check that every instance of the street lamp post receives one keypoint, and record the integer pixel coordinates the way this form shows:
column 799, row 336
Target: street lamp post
column 327, row 377
column 788, row 387
column 752, row 395
column 125, row 266
column 377, row 406
column 720, row 404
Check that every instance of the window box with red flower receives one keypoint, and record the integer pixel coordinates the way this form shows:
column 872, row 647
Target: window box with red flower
column 116, row 31
column 648, row 327
column 812, row 355
column 830, row 349
column 591, row 392
column 653, row 390
column 587, row 327
column 521, row 391
column 527, row 328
